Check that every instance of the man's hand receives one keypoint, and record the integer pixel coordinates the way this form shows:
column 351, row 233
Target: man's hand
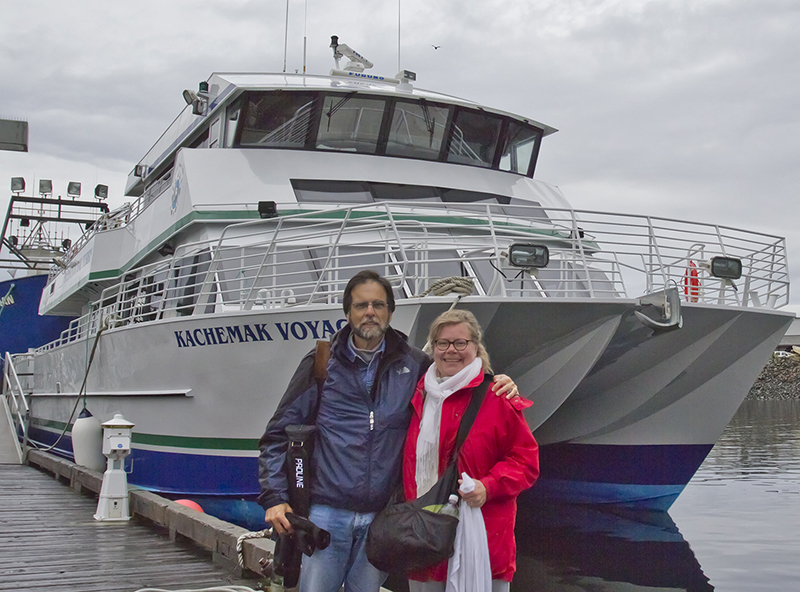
column 503, row 385
column 276, row 516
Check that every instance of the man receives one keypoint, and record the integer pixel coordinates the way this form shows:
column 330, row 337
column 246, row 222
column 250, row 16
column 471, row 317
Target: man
column 362, row 416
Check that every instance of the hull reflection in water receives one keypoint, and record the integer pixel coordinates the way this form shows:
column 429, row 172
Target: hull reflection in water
column 566, row 547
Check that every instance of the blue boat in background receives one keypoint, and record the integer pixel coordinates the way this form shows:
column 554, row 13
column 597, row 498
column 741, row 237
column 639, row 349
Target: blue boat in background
column 21, row 326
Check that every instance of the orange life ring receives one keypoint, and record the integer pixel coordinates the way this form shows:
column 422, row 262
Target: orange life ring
column 691, row 283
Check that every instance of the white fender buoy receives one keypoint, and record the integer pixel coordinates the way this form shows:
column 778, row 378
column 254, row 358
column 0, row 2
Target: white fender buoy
column 87, row 442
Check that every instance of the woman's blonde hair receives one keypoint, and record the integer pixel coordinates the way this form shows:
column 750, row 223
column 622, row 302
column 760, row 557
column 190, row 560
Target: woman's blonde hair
column 457, row 316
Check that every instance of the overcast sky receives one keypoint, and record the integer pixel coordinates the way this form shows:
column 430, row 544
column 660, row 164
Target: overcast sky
column 683, row 109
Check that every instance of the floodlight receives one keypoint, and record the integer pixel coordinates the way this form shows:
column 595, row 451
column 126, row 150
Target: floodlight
column 528, row 256
column 45, row 187
column 66, row 244
column 728, row 268
column 17, row 185
column 101, row 192
column 13, row 241
column 74, row 189
column 189, row 96
column 166, row 250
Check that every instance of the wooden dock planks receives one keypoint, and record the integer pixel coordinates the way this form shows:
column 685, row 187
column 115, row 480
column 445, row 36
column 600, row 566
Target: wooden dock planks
column 49, row 540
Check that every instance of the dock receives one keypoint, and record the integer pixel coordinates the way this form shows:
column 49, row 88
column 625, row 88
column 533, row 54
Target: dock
column 50, row 540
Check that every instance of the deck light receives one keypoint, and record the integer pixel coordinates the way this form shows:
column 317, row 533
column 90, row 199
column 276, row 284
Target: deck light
column 66, row 244
column 166, row 250
column 17, row 185
column 728, row 268
column 74, row 189
column 140, row 170
column 267, row 209
column 101, row 192
column 528, row 256
column 189, row 96
column 45, row 187
column 24, row 222
column 198, row 101
column 13, row 241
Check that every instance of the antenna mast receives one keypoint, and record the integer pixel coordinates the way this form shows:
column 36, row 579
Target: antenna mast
column 305, row 36
column 398, row 35
column 286, row 36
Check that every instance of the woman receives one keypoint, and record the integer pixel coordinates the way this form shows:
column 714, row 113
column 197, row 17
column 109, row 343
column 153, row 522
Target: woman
column 500, row 453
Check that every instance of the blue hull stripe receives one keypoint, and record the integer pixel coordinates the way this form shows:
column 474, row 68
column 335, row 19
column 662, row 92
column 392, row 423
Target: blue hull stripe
column 649, row 477
column 631, row 465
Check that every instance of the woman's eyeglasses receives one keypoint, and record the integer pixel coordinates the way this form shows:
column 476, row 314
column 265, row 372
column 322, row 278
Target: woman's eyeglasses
column 444, row 344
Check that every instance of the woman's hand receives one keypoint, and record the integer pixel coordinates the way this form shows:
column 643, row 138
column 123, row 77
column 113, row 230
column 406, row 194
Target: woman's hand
column 276, row 516
column 475, row 498
column 503, row 385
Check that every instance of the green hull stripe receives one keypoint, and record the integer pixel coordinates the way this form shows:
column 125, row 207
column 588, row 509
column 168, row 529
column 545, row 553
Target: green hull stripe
column 170, row 441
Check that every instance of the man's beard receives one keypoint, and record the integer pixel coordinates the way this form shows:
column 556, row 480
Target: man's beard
column 370, row 332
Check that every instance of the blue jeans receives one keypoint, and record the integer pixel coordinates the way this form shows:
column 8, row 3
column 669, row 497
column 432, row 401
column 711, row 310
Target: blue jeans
column 345, row 560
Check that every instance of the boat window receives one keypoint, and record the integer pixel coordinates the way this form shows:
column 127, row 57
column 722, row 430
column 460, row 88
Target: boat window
column 417, row 130
column 230, row 126
column 214, row 133
column 335, row 191
column 276, row 120
column 393, row 191
column 528, row 209
column 308, row 190
column 520, row 146
column 350, row 124
column 473, row 139
column 201, row 141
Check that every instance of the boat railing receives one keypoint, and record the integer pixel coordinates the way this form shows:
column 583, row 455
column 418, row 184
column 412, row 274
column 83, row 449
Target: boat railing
column 17, row 383
column 307, row 258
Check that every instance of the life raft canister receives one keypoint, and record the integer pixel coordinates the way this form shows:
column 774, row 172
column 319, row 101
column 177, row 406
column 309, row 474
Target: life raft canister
column 691, row 282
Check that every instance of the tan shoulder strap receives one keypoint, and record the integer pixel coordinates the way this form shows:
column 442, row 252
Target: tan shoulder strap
column 321, row 357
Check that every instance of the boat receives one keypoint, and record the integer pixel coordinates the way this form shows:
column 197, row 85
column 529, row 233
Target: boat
column 37, row 232
column 636, row 336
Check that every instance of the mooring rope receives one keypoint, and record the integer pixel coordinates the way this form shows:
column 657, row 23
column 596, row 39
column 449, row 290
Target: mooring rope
column 455, row 284
column 463, row 286
column 258, row 534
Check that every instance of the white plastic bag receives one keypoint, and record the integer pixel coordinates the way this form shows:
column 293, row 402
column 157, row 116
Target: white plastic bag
column 469, row 569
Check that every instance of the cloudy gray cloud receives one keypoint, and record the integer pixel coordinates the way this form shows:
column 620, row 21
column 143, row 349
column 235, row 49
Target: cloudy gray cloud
column 667, row 107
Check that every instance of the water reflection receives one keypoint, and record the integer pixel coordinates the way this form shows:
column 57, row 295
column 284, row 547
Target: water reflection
column 569, row 548
column 740, row 516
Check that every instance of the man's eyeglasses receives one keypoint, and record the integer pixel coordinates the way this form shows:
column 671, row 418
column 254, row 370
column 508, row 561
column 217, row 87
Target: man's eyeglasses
column 444, row 344
column 377, row 306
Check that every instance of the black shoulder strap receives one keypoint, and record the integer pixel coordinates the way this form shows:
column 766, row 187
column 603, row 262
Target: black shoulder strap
column 475, row 402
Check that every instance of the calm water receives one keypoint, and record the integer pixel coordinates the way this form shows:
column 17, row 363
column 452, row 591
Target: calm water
column 736, row 527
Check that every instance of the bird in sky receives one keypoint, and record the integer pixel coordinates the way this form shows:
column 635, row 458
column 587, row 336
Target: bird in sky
column 435, row 46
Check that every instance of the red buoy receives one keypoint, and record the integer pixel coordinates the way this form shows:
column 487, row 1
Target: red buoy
column 190, row 504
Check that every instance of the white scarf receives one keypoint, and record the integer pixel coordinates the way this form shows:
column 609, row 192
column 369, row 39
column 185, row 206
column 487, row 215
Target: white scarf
column 428, row 441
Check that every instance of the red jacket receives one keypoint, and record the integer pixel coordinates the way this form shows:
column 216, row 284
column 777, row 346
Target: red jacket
column 500, row 451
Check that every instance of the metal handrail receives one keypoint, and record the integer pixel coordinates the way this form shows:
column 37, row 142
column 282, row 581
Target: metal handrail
column 303, row 258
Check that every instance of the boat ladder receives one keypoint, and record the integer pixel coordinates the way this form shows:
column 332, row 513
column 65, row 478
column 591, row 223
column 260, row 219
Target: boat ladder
column 16, row 410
